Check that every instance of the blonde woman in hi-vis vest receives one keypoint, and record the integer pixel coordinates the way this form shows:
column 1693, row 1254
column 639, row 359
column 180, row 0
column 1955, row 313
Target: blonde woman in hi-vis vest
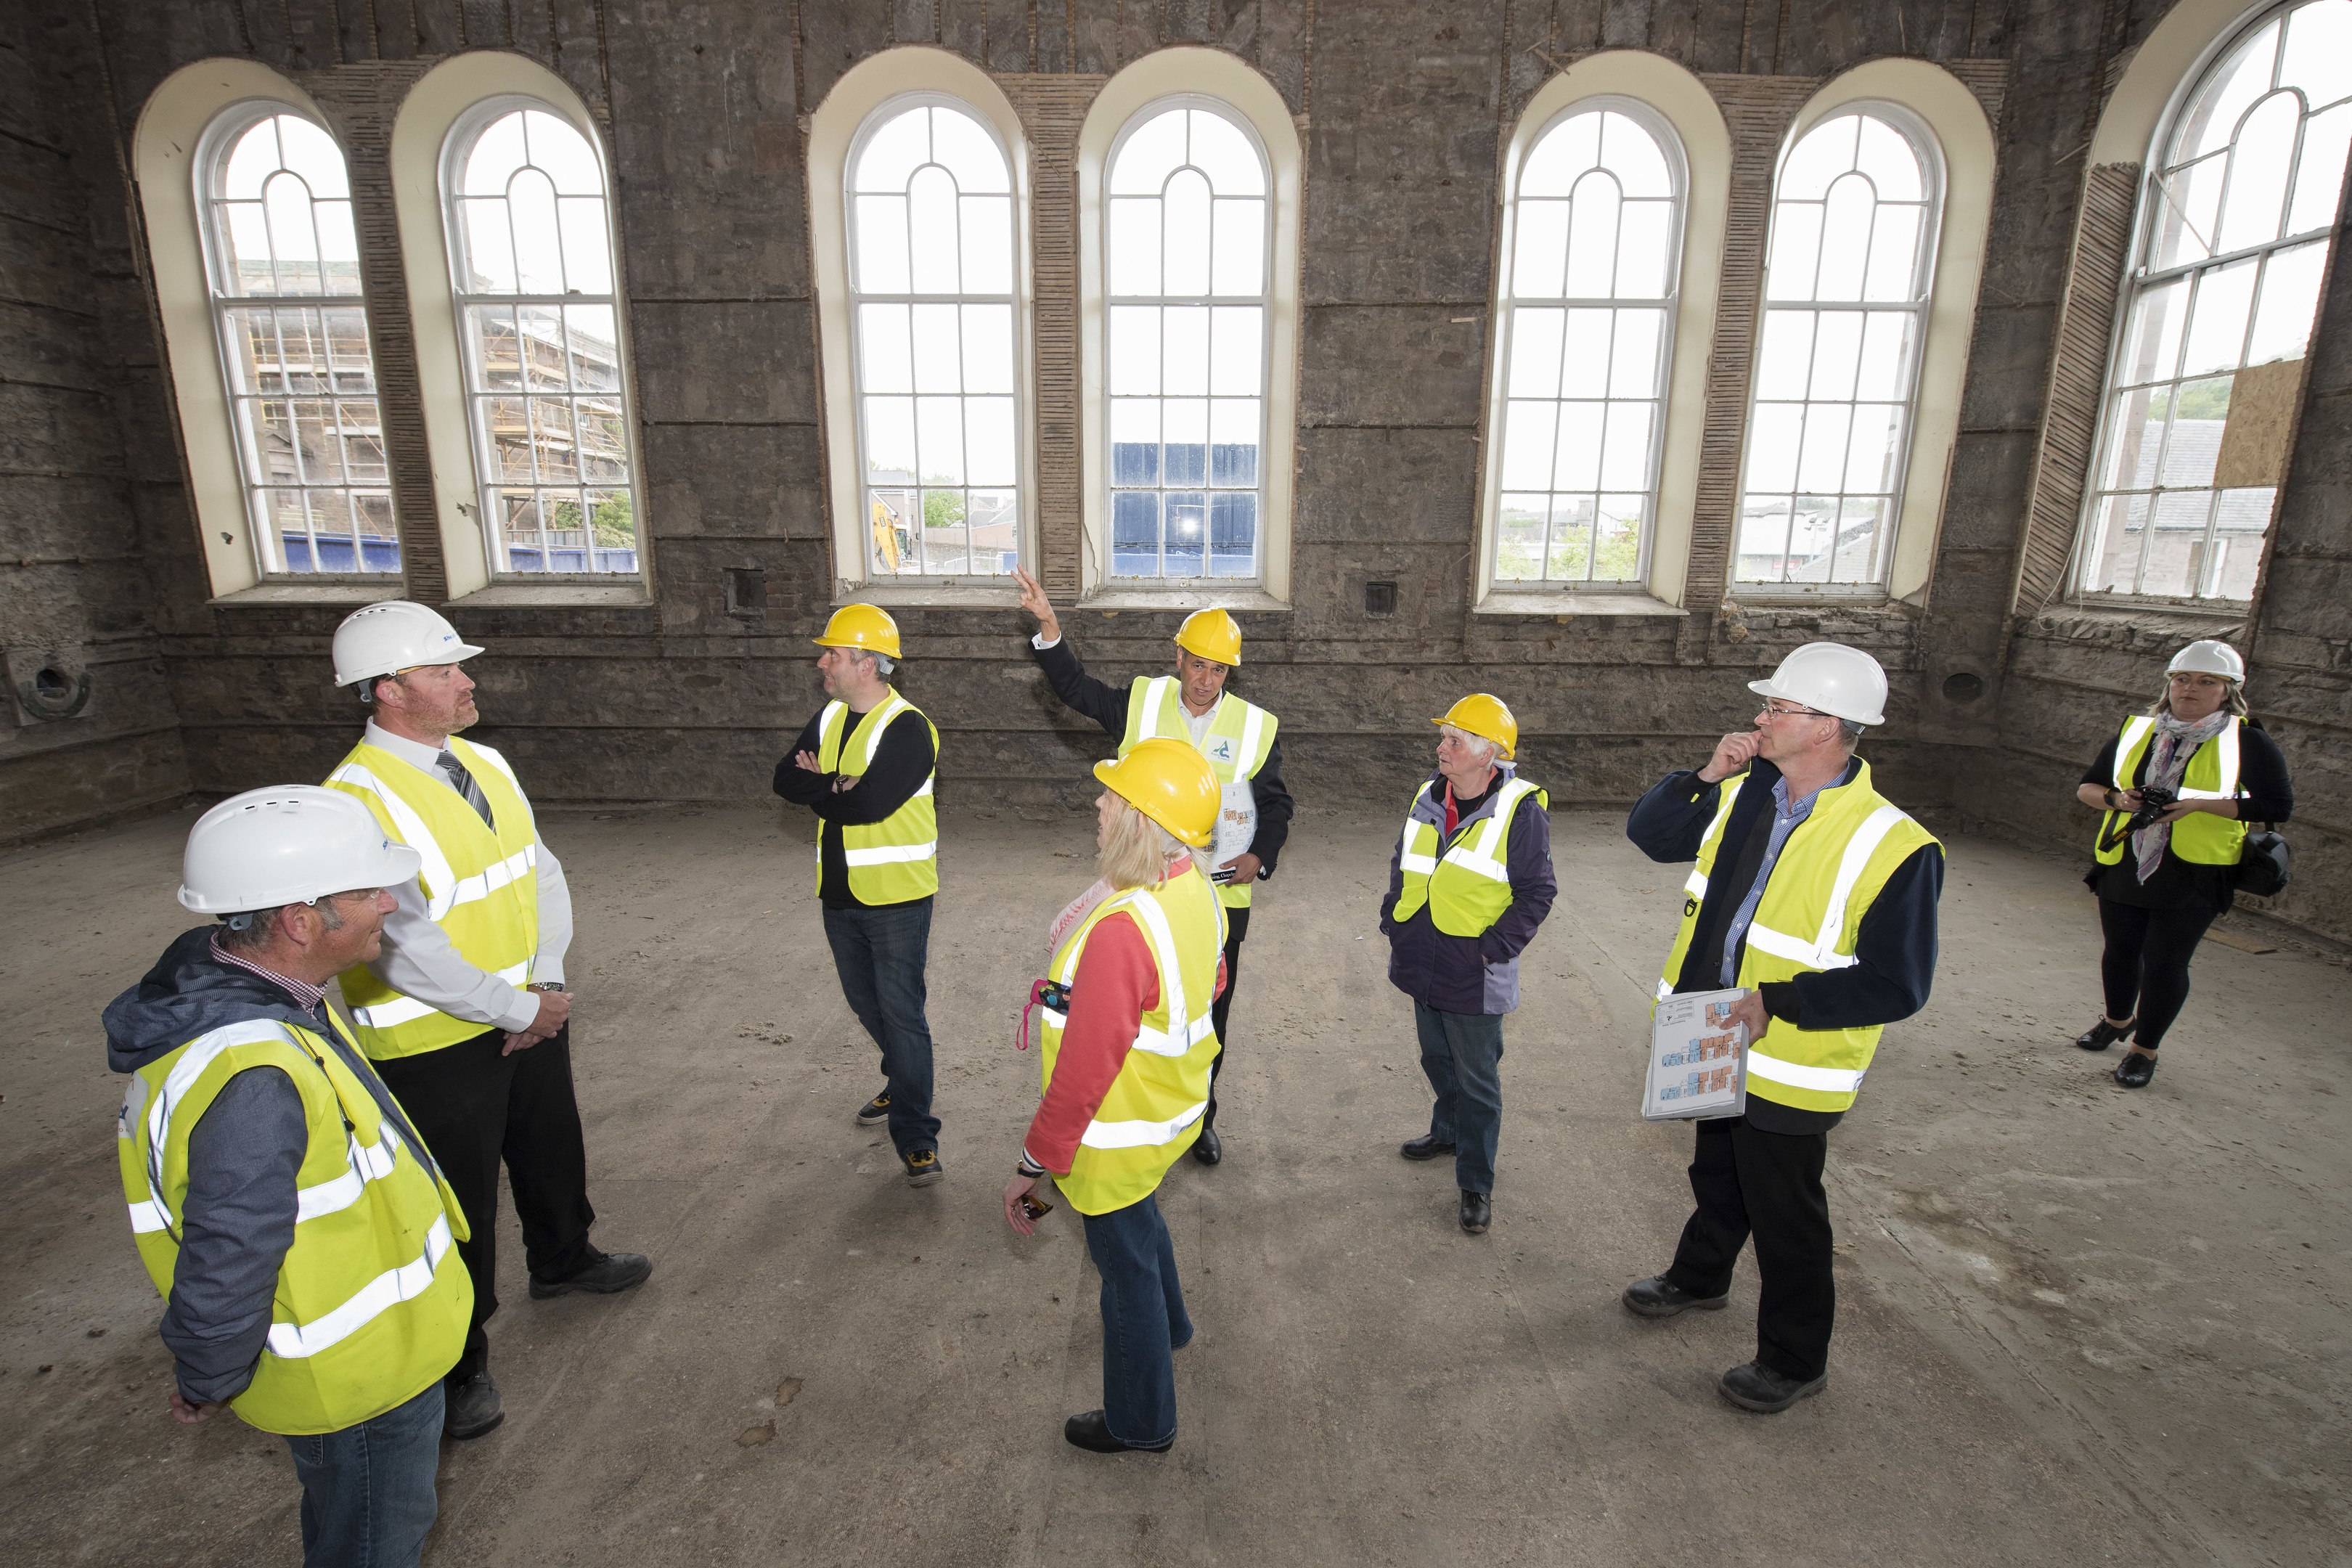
column 2177, row 786
column 1815, row 896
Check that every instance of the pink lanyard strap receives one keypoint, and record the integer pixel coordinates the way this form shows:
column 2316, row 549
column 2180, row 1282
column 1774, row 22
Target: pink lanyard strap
column 1042, row 993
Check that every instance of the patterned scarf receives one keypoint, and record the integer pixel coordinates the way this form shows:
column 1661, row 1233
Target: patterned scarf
column 2176, row 742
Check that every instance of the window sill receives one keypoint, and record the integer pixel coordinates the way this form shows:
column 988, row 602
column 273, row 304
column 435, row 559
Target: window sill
column 1790, row 595
column 941, row 594
column 1249, row 599
column 564, row 595
column 1521, row 602
column 327, row 592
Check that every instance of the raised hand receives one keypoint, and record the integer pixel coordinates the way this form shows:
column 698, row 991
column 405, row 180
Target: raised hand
column 1732, row 755
column 1034, row 600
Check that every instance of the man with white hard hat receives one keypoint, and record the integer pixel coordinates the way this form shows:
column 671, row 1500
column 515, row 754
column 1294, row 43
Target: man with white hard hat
column 274, row 1182
column 464, row 1012
column 1236, row 737
column 1815, row 898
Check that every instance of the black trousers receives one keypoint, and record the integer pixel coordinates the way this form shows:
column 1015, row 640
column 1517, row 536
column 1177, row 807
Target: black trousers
column 2145, row 969
column 1769, row 1185
column 475, row 1107
column 1236, row 928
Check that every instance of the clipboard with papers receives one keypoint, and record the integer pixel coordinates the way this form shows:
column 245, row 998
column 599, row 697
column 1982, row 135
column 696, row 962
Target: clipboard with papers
column 1698, row 1059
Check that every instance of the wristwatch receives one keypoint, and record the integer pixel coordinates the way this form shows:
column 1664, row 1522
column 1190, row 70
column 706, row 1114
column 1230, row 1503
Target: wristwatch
column 545, row 985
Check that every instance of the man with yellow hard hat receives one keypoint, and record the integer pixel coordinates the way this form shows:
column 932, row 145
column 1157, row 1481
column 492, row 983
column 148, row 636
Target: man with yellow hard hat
column 1236, row 736
column 1469, row 882
column 866, row 765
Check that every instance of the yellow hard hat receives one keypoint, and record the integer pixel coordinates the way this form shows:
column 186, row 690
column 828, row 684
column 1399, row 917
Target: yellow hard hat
column 1212, row 635
column 861, row 625
column 1169, row 783
column 1484, row 716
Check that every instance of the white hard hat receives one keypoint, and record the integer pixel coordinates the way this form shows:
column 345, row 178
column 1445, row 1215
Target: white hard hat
column 386, row 639
column 290, row 843
column 2209, row 657
column 1833, row 679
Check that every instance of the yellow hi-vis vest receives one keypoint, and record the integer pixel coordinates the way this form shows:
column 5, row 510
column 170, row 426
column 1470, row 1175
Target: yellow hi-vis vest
column 897, row 860
column 1239, row 739
column 479, row 884
column 1468, row 887
column 1152, row 1112
column 373, row 1300
column 2211, row 774
column 1833, row 865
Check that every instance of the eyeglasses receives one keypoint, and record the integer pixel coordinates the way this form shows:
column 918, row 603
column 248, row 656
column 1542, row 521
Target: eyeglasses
column 1768, row 711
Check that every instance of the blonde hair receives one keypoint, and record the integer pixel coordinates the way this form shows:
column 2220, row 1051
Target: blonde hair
column 1134, row 850
column 2234, row 698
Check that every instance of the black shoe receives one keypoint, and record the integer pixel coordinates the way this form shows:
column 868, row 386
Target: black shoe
column 2135, row 1070
column 923, row 1167
column 2102, row 1034
column 1754, row 1387
column 612, row 1271
column 1655, row 1297
column 1207, row 1148
column 1091, row 1431
column 1476, row 1212
column 470, row 1408
column 875, row 1110
column 1428, row 1147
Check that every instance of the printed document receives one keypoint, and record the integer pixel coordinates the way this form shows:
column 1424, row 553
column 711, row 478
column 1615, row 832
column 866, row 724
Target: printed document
column 1698, row 1059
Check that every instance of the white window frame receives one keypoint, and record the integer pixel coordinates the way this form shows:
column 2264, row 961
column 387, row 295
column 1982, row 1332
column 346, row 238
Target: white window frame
column 833, row 127
column 1671, row 97
column 887, row 110
column 1245, row 96
column 1263, row 299
column 1955, row 119
column 2141, row 123
column 1922, row 141
column 458, row 141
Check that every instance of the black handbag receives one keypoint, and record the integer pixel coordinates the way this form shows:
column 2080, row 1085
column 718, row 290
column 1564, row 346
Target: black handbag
column 2266, row 864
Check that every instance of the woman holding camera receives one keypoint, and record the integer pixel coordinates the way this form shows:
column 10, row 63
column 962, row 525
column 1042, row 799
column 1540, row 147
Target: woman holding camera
column 2178, row 784
column 1127, row 1039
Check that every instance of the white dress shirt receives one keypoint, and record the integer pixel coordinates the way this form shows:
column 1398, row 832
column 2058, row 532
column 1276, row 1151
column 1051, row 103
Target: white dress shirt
column 420, row 960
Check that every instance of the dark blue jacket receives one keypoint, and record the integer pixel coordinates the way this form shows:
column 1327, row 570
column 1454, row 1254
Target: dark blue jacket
column 1473, row 973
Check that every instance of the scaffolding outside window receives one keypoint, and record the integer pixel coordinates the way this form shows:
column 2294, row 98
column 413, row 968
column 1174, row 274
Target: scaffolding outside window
column 2235, row 220
column 1847, row 280
column 546, row 395
column 1188, row 250
column 283, row 257
column 932, row 272
column 1587, row 303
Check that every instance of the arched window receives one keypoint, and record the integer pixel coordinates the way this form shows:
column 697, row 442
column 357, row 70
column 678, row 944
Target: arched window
column 2235, row 217
column 1847, row 282
column 1187, row 243
column 1588, row 306
column 931, row 282
column 283, row 263
column 546, row 393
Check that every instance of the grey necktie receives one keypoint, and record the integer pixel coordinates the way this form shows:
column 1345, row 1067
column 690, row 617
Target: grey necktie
column 463, row 783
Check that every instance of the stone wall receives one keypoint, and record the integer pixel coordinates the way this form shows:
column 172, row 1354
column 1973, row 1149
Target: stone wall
column 87, row 731
column 1403, row 104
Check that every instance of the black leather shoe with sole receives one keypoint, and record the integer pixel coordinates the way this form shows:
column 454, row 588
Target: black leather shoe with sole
column 2102, row 1034
column 1208, row 1148
column 2135, row 1070
column 1653, row 1298
column 1759, row 1388
column 612, row 1271
column 875, row 1110
column 1092, row 1431
column 1477, row 1212
column 470, row 1408
column 1428, row 1147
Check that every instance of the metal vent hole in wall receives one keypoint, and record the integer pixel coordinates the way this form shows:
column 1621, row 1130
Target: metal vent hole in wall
column 1961, row 686
column 47, row 684
column 1379, row 598
column 747, row 592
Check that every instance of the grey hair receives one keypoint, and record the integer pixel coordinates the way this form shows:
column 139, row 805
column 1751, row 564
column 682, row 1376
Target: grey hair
column 248, row 931
column 883, row 663
column 1849, row 733
column 1494, row 748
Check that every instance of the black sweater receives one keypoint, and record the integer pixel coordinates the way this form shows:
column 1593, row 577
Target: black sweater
column 1107, row 705
column 2265, row 794
column 902, row 762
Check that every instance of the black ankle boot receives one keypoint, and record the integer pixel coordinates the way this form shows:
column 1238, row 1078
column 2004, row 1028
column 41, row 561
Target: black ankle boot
column 2135, row 1070
column 2102, row 1034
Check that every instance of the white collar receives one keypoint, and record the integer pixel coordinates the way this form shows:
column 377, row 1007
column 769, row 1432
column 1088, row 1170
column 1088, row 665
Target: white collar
column 415, row 753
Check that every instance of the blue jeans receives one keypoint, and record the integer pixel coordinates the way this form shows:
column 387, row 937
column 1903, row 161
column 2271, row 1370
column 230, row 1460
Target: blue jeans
column 1143, row 1321
column 1461, row 1052
column 880, row 955
column 367, row 1491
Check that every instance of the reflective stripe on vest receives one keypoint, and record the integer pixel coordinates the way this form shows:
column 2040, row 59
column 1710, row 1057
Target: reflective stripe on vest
column 2202, row 836
column 1238, row 741
column 895, row 860
column 407, row 1009
column 1822, row 952
column 394, row 1286
column 1468, row 886
column 1826, row 1081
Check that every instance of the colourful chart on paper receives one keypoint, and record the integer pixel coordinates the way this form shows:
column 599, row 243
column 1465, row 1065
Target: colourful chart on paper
column 1698, row 1059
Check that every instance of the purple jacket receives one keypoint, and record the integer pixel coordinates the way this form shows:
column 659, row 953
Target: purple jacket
column 1473, row 973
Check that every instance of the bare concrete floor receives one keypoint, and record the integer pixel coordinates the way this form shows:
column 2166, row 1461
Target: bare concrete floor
column 2077, row 1324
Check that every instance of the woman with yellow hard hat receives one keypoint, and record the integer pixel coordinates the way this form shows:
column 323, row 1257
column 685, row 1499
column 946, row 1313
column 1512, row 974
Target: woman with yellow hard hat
column 1469, row 882
column 1126, row 1048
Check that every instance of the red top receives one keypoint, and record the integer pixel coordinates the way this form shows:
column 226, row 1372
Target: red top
column 1118, row 981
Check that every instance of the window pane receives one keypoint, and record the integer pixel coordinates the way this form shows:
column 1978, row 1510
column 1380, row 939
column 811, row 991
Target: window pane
column 932, row 227
column 987, row 244
column 1185, row 234
column 1234, row 427
column 2259, row 166
column 1220, row 151
column 1239, row 261
column 2216, row 323
column 1535, row 350
column 963, row 147
column 2319, row 172
column 992, row 455
column 2290, row 298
